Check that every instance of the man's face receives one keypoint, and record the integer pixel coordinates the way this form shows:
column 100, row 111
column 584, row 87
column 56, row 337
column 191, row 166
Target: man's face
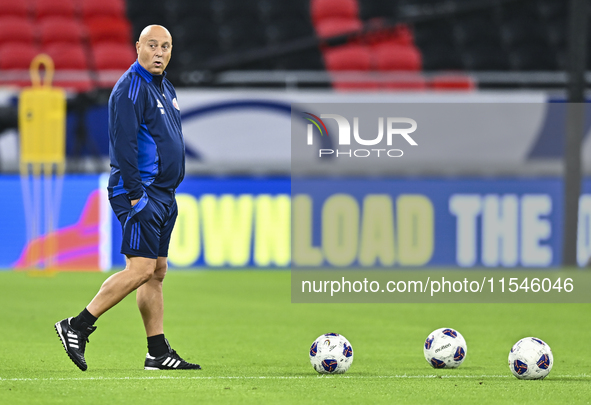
column 154, row 50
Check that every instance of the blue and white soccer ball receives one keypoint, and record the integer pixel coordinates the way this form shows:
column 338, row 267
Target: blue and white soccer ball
column 530, row 359
column 331, row 353
column 445, row 348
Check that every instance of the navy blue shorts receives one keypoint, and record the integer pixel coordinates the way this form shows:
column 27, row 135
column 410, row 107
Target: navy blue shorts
column 146, row 227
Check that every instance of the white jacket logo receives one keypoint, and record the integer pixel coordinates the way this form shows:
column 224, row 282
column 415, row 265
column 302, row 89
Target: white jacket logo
column 159, row 105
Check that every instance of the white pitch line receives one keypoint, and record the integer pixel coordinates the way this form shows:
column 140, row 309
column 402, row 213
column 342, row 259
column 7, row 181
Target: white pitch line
column 402, row 376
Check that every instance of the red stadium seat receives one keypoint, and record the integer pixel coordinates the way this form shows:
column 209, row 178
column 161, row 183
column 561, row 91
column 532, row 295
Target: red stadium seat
column 54, row 8
column 17, row 56
column 348, row 57
column 108, row 29
column 71, row 66
column 406, row 82
column 337, row 26
column 60, row 30
column 453, row 82
column 16, row 30
column 113, row 56
column 17, row 8
column 396, row 57
column 323, row 9
column 95, row 8
column 110, row 61
column 398, row 35
column 67, row 56
column 15, row 60
column 349, row 65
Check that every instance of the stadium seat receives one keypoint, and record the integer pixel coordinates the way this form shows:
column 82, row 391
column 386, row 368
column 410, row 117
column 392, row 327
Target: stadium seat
column 552, row 9
column 480, row 28
column 533, row 57
column 54, row 8
column 441, row 56
column 493, row 57
column 369, row 9
column 16, row 8
column 517, row 32
column 348, row 57
column 15, row 60
column 67, row 56
column 379, row 34
column 287, row 29
column 295, row 9
column 453, row 82
column 330, row 27
column 16, row 30
column 135, row 8
column 232, row 37
column 556, row 33
column 349, row 66
column 71, row 66
column 227, row 10
column 113, row 56
column 94, row 8
column 60, row 30
column 110, row 60
column 195, row 30
column 405, row 82
column 17, row 56
column 108, row 29
column 328, row 9
column 440, row 31
column 390, row 57
column 306, row 60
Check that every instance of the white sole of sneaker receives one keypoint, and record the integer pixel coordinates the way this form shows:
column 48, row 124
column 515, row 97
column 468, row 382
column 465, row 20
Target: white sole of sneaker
column 151, row 368
column 58, row 329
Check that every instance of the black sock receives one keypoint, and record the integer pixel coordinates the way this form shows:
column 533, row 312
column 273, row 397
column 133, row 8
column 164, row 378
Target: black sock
column 157, row 345
column 84, row 317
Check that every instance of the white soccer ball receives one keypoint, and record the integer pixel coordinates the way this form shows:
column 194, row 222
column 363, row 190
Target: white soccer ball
column 445, row 348
column 331, row 353
column 530, row 359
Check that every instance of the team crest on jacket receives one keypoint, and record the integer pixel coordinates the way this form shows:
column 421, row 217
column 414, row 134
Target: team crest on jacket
column 175, row 104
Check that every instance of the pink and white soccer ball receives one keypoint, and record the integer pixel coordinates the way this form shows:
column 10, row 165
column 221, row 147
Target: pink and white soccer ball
column 331, row 353
column 531, row 359
column 445, row 348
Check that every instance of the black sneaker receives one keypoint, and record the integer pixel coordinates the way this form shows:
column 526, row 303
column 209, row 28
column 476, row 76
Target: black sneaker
column 168, row 361
column 74, row 341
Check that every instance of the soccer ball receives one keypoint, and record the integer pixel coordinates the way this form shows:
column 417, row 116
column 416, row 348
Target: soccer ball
column 445, row 348
column 530, row 359
column 331, row 353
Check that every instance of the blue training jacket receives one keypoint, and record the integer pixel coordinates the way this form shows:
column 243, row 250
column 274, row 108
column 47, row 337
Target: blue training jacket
column 146, row 144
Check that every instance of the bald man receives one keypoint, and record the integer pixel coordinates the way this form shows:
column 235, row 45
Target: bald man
column 147, row 154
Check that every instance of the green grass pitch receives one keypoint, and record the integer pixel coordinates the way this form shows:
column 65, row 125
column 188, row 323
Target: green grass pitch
column 253, row 343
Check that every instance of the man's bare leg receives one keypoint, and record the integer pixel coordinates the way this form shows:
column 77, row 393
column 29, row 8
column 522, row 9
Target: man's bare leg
column 74, row 332
column 150, row 301
column 138, row 271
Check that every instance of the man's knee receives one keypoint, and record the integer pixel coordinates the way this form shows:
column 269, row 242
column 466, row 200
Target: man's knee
column 160, row 273
column 143, row 268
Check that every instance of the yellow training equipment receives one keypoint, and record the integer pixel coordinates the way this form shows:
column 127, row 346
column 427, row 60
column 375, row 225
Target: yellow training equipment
column 42, row 119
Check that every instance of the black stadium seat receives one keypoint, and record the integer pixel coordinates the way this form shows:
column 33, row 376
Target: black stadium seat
column 232, row 38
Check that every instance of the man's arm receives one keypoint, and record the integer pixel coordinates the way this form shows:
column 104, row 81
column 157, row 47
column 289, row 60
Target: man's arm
column 127, row 116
